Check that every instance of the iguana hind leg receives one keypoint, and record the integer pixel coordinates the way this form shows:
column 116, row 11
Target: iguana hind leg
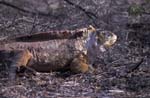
column 19, row 58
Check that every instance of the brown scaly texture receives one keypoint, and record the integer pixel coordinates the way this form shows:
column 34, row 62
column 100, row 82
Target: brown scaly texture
column 53, row 54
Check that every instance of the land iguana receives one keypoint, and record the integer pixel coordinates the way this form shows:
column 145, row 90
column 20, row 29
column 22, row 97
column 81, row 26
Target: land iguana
column 53, row 51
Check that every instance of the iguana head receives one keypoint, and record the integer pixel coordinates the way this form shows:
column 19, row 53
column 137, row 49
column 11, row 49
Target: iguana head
column 105, row 39
column 102, row 39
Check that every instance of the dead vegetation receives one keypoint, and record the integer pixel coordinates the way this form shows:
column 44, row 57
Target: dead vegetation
column 122, row 72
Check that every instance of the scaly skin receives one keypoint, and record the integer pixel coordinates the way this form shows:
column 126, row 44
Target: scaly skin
column 69, row 51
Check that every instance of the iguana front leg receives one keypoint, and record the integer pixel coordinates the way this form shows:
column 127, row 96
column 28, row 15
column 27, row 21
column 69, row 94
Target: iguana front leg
column 19, row 58
column 80, row 64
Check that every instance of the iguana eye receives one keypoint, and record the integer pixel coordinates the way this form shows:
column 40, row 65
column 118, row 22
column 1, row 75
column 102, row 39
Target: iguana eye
column 106, row 38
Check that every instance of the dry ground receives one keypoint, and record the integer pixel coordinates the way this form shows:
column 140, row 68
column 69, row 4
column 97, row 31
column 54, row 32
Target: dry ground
column 122, row 72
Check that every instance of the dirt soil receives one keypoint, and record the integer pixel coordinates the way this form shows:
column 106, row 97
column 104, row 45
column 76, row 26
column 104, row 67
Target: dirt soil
column 121, row 72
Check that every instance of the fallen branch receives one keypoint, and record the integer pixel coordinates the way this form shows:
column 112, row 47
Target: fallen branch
column 33, row 25
column 136, row 66
column 88, row 14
